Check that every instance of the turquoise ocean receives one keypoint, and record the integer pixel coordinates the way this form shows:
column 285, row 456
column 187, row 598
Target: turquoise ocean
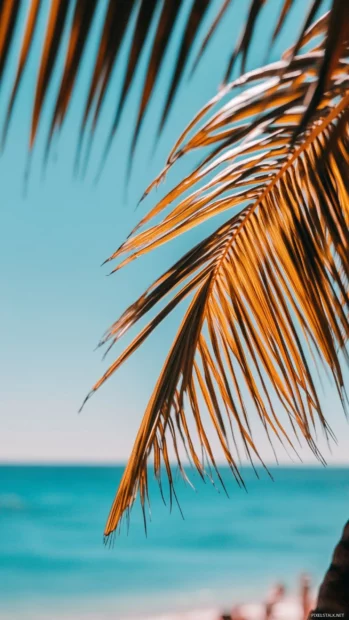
column 53, row 562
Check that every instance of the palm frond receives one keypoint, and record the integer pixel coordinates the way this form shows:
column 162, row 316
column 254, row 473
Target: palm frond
column 117, row 21
column 268, row 289
column 336, row 40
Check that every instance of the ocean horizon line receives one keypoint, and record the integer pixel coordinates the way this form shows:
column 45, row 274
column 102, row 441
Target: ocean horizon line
column 119, row 464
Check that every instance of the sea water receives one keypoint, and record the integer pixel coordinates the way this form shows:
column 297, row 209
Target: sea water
column 53, row 563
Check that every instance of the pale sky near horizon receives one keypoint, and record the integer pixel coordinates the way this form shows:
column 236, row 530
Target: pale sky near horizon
column 56, row 300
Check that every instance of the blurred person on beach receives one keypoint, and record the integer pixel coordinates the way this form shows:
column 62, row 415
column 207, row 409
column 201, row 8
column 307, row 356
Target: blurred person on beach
column 276, row 595
column 236, row 614
column 271, row 610
column 305, row 596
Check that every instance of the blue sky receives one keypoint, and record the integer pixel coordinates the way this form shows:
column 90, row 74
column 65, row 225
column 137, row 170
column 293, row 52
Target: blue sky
column 56, row 300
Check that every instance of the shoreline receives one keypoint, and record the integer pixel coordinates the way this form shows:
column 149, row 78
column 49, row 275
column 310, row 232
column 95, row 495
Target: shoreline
column 289, row 609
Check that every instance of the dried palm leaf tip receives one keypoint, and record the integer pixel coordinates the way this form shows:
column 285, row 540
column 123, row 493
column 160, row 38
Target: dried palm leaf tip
column 268, row 289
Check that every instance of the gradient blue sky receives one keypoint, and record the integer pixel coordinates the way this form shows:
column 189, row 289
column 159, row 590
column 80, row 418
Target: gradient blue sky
column 56, row 300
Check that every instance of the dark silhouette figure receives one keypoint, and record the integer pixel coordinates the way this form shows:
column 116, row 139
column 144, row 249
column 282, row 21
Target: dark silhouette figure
column 334, row 591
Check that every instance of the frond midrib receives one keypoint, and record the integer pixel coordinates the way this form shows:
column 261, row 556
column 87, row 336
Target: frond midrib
column 315, row 132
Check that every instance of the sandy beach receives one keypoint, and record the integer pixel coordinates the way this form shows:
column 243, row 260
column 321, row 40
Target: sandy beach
column 287, row 610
